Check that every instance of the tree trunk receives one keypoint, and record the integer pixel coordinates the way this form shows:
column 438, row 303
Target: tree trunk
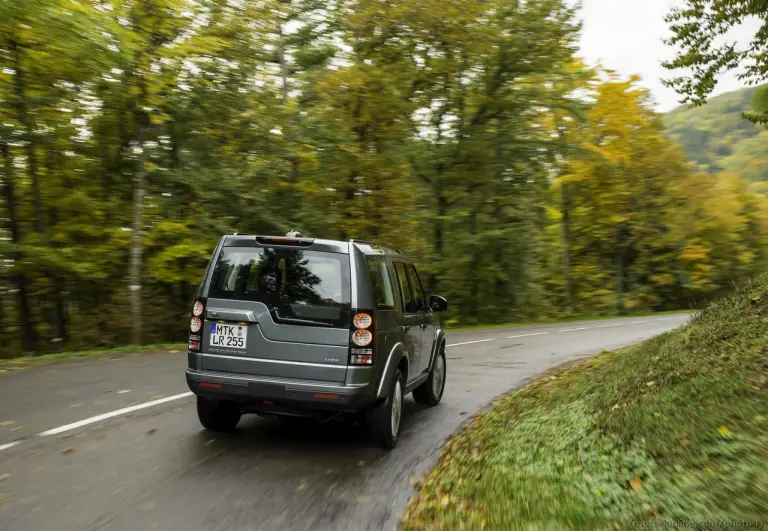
column 294, row 211
column 619, row 264
column 33, row 171
column 136, row 245
column 27, row 327
column 438, row 228
column 566, row 225
column 474, row 266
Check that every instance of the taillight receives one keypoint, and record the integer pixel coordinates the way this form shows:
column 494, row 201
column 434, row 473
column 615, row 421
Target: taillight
column 361, row 338
column 194, row 343
column 196, row 324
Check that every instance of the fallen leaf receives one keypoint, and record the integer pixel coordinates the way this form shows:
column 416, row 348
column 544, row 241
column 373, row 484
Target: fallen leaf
column 724, row 431
column 636, row 483
column 361, row 463
column 364, row 499
column 650, row 384
column 147, row 505
column 123, row 391
column 759, row 418
column 67, row 450
column 7, row 423
column 76, row 405
column 152, row 431
column 4, row 476
column 444, row 501
column 685, row 442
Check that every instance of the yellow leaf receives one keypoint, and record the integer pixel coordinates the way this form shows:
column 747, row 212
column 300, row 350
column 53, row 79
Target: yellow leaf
column 724, row 431
column 636, row 483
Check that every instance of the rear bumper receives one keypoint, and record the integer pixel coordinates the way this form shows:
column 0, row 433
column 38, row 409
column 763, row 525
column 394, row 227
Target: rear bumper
column 280, row 395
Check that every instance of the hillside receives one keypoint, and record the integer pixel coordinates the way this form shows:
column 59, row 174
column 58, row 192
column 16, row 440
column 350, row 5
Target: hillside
column 672, row 429
column 716, row 137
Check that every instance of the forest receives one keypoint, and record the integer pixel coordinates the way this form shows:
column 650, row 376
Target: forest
column 470, row 134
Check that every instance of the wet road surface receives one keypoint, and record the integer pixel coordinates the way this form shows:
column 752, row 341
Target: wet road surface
column 153, row 467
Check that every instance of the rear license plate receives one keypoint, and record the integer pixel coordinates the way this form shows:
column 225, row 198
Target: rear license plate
column 229, row 335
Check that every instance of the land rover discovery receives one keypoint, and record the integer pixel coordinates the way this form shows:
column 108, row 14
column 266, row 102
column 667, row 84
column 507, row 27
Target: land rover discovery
column 297, row 326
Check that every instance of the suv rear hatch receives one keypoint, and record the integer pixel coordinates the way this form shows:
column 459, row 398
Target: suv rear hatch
column 280, row 311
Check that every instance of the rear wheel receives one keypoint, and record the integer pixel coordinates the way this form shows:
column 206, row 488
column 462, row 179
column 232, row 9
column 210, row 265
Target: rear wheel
column 216, row 415
column 431, row 392
column 384, row 420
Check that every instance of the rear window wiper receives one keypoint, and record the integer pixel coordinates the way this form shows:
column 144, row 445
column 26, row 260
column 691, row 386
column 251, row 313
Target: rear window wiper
column 300, row 321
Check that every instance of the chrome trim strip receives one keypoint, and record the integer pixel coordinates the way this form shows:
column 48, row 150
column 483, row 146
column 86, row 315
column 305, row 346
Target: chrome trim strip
column 386, row 369
column 286, row 362
column 213, row 375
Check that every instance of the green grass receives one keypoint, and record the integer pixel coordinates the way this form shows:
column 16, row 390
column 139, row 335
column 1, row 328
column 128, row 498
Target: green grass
column 34, row 361
column 562, row 320
column 673, row 429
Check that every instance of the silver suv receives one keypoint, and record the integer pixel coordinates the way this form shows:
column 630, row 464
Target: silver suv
column 296, row 326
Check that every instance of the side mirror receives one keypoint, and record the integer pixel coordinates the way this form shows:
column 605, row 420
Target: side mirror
column 438, row 303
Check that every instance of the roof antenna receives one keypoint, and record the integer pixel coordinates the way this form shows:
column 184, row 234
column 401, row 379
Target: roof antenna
column 294, row 234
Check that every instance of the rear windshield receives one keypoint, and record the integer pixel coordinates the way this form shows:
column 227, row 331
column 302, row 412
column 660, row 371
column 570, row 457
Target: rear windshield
column 299, row 287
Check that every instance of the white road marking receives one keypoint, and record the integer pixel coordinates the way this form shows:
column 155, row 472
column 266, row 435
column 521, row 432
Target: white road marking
column 137, row 407
column 639, row 322
column 116, row 413
column 470, row 342
column 9, row 445
column 527, row 335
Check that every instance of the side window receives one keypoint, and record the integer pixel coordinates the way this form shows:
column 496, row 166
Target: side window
column 381, row 282
column 405, row 289
column 417, row 288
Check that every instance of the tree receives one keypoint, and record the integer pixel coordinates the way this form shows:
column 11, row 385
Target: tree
column 696, row 26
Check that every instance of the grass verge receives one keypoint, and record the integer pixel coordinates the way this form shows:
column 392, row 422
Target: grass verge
column 574, row 319
column 673, row 429
column 12, row 364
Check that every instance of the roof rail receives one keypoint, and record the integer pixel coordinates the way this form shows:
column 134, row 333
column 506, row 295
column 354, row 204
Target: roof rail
column 398, row 251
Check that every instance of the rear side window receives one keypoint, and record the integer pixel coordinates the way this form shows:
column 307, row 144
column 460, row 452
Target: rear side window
column 416, row 284
column 298, row 286
column 381, row 282
column 405, row 289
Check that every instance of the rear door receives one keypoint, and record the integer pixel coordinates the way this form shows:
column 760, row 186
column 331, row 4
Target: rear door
column 278, row 311
column 411, row 321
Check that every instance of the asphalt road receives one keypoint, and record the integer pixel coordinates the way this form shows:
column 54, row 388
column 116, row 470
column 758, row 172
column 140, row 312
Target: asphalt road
column 68, row 461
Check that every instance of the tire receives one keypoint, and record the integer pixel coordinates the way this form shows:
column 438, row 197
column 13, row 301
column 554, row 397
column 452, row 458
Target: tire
column 385, row 420
column 217, row 415
column 431, row 392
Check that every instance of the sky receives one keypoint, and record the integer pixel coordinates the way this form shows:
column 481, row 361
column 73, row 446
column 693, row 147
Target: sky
column 626, row 36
